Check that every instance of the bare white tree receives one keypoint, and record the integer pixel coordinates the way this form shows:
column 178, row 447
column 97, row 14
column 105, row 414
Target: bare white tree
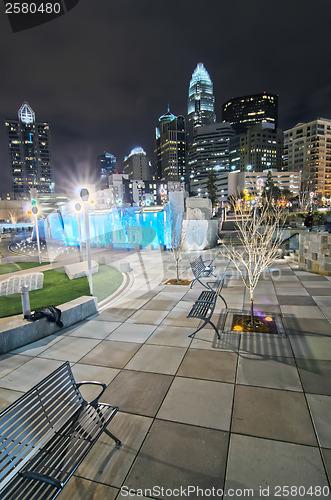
column 305, row 201
column 12, row 217
column 260, row 236
column 177, row 242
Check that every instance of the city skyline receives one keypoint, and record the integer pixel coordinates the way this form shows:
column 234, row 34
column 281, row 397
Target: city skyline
column 102, row 74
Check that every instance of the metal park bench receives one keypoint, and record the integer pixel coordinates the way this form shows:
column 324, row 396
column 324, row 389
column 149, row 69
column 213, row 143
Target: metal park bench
column 201, row 269
column 46, row 434
column 204, row 306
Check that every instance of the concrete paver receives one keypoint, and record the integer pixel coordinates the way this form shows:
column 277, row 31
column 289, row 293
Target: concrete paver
column 249, row 410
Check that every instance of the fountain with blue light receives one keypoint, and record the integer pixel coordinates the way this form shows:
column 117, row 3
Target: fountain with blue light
column 120, row 227
column 129, row 227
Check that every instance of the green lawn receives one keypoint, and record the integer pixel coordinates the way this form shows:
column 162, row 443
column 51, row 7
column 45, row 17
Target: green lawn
column 58, row 289
column 12, row 267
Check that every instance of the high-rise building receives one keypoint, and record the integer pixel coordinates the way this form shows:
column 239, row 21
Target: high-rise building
column 209, row 150
column 170, row 148
column 137, row 165
column 260, row 148
column 29, row 152
column 201, row 101
column 106, row 166
column 307, row 148
column 246, row 111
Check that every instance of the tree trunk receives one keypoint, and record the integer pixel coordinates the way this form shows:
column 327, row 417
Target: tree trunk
column 252, row 313
column 177, row 270
column 251, row 294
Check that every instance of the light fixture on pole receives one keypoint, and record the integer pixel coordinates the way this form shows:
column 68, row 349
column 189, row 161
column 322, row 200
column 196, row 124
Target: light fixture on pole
column 78, row 208
column 84, row 194
column 35, row 210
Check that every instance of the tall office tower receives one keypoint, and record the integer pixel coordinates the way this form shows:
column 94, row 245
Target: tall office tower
column 210, row 150
column 260, row 149
column 29, row 152
column 243, row 112
column 106, row 166
column 137, row 165
column 307, row 148
column 170, row 148
column 200, row 103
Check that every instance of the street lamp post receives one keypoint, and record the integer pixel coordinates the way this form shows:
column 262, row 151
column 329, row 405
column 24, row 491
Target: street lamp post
column 78, row 208
column 35, row 210
column 84, row 194
column 35, row 216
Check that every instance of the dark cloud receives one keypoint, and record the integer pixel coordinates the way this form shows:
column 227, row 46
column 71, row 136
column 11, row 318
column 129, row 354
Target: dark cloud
column 104, row 72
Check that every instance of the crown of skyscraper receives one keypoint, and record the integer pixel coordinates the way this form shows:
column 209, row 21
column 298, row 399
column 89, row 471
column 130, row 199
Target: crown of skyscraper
column 200, row 74
column 26, row 113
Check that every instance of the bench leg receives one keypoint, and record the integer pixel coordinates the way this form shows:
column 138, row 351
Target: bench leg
column 200, row 328
column 198, row 279
column 193, row 282
column 221, row 296
column 117, row 441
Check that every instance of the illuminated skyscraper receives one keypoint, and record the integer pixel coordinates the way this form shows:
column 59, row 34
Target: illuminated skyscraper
column 29, row 152
column 210, row 150
column 245, row 111
column 170, row 148
column 260, row 149
column 307, row 148
column 201, row 101
column 137, row 165
column 106, row 166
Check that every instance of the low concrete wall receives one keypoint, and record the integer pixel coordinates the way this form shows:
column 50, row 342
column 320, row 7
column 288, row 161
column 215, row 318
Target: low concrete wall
column 19, row 332
column 17, row 259
column 315, row 253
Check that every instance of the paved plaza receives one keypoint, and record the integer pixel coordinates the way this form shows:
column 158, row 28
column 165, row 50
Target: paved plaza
column 248, row 414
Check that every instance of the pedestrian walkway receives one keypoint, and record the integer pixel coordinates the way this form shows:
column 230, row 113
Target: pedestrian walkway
column 248, row 415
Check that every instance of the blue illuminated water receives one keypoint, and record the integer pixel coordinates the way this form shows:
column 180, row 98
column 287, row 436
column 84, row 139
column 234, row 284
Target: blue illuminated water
column 121, row 227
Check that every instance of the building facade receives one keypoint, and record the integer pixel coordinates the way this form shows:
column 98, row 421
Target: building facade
column 246, row 111
column 106, row 166
column 124, row 192
column 250, row 183
column 307, row 147
column 29, row 152
column 170, row 148
column 260, row 148
column 136, row 165
column 210, row 151
column 201, row 101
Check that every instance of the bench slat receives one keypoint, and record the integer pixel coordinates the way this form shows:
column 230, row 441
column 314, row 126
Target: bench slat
column 204, row 306
column 31, row 426
column 48, row 431
column 66, row 451
column 201, row 270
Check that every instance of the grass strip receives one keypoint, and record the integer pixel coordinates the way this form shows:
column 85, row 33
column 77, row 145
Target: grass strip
column 58, row 289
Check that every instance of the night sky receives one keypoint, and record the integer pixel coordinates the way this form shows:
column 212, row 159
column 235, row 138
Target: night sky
column 104, row 72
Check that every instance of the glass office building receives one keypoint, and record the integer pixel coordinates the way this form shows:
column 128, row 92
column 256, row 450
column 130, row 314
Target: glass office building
column 245, row 111
column 29, row 152
column 201, row 101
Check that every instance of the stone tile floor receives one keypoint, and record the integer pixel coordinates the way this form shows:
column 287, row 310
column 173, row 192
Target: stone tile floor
column 248, row 414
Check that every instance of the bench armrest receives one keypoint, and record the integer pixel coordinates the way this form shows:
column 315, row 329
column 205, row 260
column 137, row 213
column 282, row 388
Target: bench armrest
column 43, row 478
column 95, row 401
column 218, row 285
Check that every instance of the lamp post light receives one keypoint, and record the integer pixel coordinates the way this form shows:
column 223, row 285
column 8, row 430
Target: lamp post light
column 78, row 208
column 34, row 211
column 84, row 194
